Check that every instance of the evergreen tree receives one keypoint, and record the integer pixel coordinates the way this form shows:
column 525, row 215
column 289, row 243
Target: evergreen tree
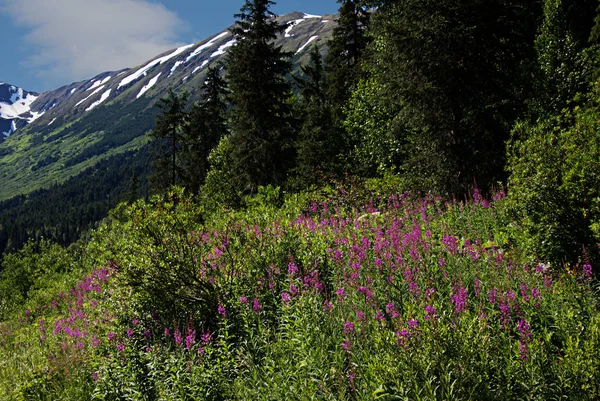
column 132, row 196
column 207, row 125
column 458, row 73
column 169, row 136
column 260, row 119
column 317, row 144
column 345, row 51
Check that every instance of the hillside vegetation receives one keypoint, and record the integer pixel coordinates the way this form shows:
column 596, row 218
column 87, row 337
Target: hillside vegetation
column 418, row 220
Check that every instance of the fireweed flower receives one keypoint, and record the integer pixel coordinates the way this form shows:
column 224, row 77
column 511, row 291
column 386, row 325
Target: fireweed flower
column 348, row 327
column 430, row 312
column 206, row 338
column 413, row 324
column 459, row 298
column 243, row 300
column 587, row 271
column 177, row 337
column 292, row 269
column 190, row 338
column 285, row 298
column 221, row 310
column 492, row 295
column 256, row 306
column 129, row 332
column 327, row 306
column 402, row 338
column 110, row 336
column 120, row 347
column 477, row 287
column 524, row 292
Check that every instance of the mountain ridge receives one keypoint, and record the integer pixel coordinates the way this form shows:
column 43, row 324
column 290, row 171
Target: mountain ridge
column 79, row 124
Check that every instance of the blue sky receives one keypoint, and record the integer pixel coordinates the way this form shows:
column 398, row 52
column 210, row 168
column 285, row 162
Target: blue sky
column 49, row 43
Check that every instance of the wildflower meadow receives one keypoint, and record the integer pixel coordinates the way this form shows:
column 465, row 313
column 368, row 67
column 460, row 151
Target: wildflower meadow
column 402, row 297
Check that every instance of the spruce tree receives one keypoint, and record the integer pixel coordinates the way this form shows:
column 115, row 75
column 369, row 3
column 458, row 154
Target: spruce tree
column 260, row 118
column 345, row 51
column 458, row 73
column 169, row 136
column 317, row 144
column 207, row 125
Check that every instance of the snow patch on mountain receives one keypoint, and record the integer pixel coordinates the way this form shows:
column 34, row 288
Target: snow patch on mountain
column 19, row 104
column 104, row 96
column 288, row 31
column 307, row 16
column 224, row 48
column 177, row 64
column 92, row 94
column 99, row 83
column 205, row 46
column 144, row 70
column 12, row 128
column 150, row 84
column 312, row 39
column 51, row 122
column 200, row 67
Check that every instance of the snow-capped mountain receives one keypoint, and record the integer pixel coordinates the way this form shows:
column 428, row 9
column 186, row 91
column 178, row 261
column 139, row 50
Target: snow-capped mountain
column 15, row 109
column 60, row 132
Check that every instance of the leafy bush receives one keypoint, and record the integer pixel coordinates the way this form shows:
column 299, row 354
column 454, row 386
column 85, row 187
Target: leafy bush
column 555, row 170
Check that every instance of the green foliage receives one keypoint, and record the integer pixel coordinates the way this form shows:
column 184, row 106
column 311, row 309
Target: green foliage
column 206, row 127
column 169, row 136
column 567, row 62
column 554, row 184
column 319, row 142
column 452, row 75
column 223, row 184
column 260, row 118
column 346, row 49
column 372, row 130
column 28, row 273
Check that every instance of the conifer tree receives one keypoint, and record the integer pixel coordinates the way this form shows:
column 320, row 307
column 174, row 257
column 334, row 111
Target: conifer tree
column 207, row 125
column 317, row 144
column 169, row 136
column 345, row 51
column 260, row 118
column 458, row 73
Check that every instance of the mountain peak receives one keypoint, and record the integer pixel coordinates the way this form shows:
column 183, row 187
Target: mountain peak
column 15, row 108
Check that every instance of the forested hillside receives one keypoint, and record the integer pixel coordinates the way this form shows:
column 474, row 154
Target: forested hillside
column 413, row 215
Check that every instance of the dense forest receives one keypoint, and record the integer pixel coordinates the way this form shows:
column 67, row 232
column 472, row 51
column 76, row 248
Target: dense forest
column 415, row 215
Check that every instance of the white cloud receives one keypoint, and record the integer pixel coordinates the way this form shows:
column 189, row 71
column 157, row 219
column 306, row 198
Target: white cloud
column 76, row 39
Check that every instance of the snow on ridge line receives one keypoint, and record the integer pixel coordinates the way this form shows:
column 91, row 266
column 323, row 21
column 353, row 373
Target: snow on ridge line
column 92, row 94
column 306, row 16
column 144, row 70
column 20, row 105
column 312, row 38
column 97, row 83
column 149, row 85
column 73, row 90
column 205, row 46
column 288, row 31
column 104, row 96
column 223, row 48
